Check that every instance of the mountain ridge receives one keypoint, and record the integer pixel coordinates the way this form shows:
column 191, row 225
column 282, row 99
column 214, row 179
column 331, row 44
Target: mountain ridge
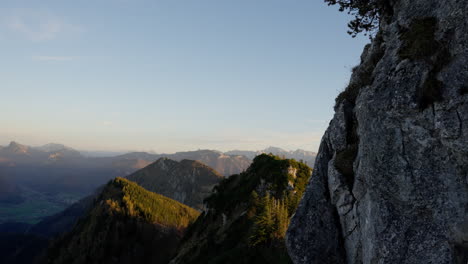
column 127, row 224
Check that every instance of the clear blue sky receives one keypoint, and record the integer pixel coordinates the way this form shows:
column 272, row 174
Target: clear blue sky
column 172, row 75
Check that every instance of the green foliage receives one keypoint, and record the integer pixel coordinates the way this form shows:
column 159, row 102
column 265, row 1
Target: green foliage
column 271, row 221
column 248, row 215
column 152, row 207
column 367, row 13
column 266, row 168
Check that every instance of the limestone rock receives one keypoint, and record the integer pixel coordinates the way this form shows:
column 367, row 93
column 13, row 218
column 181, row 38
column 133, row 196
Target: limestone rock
column 390, row 183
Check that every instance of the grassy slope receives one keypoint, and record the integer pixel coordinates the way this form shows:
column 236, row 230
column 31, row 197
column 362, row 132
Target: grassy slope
column 152, row 207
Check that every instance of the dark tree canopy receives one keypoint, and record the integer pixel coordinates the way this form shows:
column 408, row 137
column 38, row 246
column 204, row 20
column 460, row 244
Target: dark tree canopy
column 367, row 14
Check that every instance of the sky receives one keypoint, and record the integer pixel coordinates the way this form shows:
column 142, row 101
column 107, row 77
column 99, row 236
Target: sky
column 172, row 75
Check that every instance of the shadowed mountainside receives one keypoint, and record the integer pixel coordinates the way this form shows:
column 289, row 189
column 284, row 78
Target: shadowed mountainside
column 188, row 181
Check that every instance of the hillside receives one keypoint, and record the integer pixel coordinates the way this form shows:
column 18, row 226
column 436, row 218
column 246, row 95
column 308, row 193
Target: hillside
column 188, row 181
column 9, row 193
column 127, row 224
column 247, row 215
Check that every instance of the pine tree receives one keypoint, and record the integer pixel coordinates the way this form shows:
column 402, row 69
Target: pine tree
column 264, row 222
column 367, row 13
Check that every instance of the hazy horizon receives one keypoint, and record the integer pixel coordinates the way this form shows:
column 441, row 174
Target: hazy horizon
column 152, row 151
column 167, row 76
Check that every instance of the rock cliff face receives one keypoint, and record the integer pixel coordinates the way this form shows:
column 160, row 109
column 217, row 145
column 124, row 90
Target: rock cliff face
column 390, row 183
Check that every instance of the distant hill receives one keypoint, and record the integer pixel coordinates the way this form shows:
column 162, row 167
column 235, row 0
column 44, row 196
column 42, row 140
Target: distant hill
column 187, row 181
column 247, row 215
column 127, row 224
column 18, row 154
column 54, row 147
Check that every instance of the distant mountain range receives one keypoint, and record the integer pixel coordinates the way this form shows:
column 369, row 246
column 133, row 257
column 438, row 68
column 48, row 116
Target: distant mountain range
column 308, row 157
column 135, row 219
column 41, row 181
column 227, row 163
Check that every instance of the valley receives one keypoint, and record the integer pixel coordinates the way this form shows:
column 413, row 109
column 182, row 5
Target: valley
column 140, row 209
column 40, row 181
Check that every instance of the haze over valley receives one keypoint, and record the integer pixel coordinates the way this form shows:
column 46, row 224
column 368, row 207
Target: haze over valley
column 41, row 181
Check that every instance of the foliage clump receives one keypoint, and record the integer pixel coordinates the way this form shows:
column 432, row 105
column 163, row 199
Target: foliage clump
column 266, row 170
column 367, row 14
column 271, row 221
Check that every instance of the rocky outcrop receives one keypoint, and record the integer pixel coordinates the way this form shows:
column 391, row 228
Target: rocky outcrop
column 390, row 183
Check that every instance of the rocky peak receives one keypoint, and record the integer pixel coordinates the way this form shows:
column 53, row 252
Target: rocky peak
column 53, row 147
column 17, row 148
column 164, row 163
column 390, row 183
